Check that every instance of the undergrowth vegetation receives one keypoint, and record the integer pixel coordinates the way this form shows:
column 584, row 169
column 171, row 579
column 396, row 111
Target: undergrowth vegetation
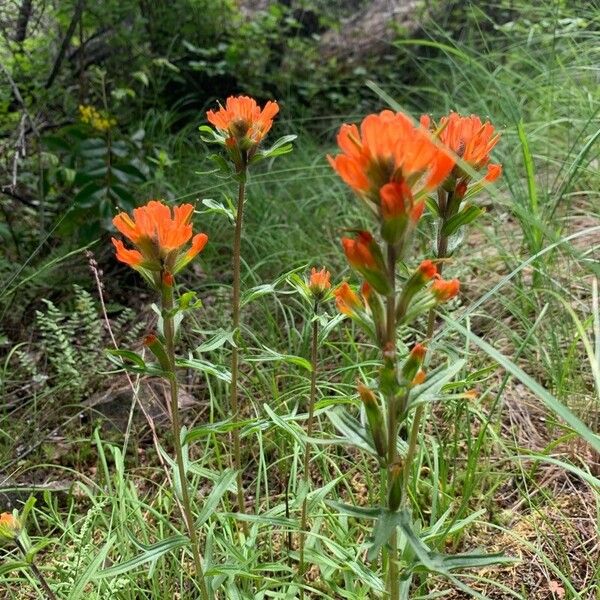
column 507, row 461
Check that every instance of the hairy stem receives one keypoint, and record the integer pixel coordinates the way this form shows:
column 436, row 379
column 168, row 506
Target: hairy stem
column 169, row 333
column 392, row 421
column 309, row 430
column 233, row 392
column 51, row 595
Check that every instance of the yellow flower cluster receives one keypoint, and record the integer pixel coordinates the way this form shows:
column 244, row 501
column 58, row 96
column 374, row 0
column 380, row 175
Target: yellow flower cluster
column 89, row 115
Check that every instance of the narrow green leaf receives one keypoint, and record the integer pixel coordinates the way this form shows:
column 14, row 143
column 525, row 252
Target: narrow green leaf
column 91, row 572
column 544, row 395
column 464, row 217
column 222, row 485
column 154, row 552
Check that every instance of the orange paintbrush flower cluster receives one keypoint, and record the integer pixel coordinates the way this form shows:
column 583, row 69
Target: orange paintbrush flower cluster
column 319, row 282
column 243, row 121
column 471, row 140
column 159, row 235
column 389, row 149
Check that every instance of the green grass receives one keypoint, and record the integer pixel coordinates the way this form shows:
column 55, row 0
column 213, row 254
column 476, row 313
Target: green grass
column 502, row 472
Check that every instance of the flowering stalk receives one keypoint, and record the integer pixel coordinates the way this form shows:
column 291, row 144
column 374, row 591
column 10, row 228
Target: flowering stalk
column 160, row 236
column 233, row 391
column 318, row 287
column 392, row 165
column 241, row 125
column 188, row 515
column 10, row 529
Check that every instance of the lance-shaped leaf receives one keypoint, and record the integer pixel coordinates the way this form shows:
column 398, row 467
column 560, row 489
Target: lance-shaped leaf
column 464, row 217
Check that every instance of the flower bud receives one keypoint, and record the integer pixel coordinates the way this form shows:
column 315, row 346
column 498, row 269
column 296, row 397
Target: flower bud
column 373, row 303
column 460, row 190
column 10, row 526
column 155, row 346
column 493, row 172
column 319, row 283
column 419, row 378
column 395, row 487
column 168, row 279
column 364, row 255
column 413, row 362
column 424, row 273
column 374, row 418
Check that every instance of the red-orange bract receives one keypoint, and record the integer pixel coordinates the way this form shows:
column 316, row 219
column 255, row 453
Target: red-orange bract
column 159, row 235
column 386, row 149
column 243, row 119
column 346, row 300
column 444, row 290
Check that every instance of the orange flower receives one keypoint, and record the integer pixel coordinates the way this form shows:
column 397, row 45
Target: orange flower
column 469, row 139
column 445, row 290
column 319, row 282
column 414, row 362
column 346, row 300
column 243, row 120
column 388, row 148
column 358, row 251
column 427, row 270
column 419, row 377
column 493, row 172
column 418, row 352
column 159, row 235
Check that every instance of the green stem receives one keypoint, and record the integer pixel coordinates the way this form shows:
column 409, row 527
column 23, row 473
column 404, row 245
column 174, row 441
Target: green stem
column 169, row 333
column 51, row 595
column 309, row 430
column 233, row 392
column 392, row 420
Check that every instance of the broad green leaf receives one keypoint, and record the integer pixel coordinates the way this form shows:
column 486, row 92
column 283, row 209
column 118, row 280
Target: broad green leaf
column 272, row 355
column 288, row 426
column 202, row 431
column 216, row 207
column 257, row 292
column 430, row 389
column 218, row 340
column 360, row 512
column 386, row 524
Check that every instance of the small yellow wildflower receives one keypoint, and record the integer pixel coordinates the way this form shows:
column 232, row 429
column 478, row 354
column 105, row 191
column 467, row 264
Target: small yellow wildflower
column 91, row 116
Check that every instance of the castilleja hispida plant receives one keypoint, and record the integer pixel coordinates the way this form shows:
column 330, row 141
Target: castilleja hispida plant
column 240, row 128
column 160, row 236
column 397, row 169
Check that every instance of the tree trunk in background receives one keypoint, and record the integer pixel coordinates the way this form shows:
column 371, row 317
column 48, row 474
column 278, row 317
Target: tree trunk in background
column 65, row 43
column 23, row 21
